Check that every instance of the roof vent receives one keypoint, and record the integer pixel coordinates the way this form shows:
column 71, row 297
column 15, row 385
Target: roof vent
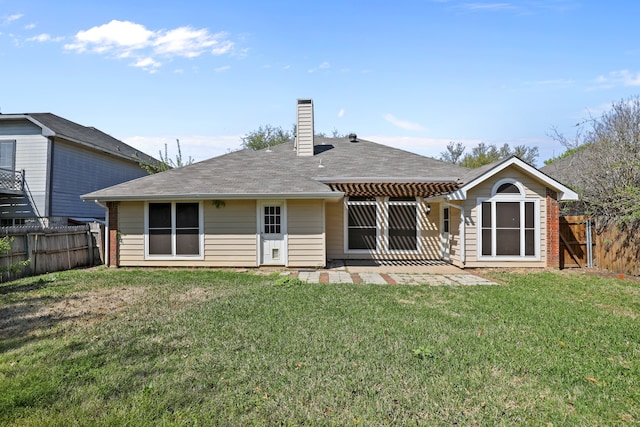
column 353, row 137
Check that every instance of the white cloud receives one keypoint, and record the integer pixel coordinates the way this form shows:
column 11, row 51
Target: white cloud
column 616, row 78
column 341, row 112
column 487, row 6
column 189, row 42
column 30, row 26
column 627, row 78
column 40, row 38
column 222, row 69
column 403, row 124
column 116, row 35
column 197, row 147
column 5, row 20
column 125, row 39
column 43, row 38
column 324, row 66
column 148, row 64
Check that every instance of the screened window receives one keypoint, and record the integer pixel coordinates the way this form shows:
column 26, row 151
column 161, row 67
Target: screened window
column 403, row 224
column 173, row 229
column 160, row 229
column 508, row 228
column 397, row 217
column 8, row 154
column 361, row 223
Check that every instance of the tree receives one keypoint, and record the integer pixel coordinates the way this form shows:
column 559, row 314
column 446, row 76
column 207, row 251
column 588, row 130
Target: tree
column 484, row 154
column 165, row 162
column 265, row 136
column 335, row 133
column 14, row 267
column 454, row 153
column 606, row 163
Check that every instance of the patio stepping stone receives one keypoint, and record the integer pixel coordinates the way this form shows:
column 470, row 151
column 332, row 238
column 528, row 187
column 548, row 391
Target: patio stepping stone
column 373, row 278
column 411, row 279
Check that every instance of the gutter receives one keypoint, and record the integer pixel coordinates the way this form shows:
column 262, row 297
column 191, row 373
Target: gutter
column 254, row 196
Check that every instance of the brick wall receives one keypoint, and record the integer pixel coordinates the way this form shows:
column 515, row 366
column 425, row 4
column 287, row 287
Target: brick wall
column 113, row 234
column 553, row 229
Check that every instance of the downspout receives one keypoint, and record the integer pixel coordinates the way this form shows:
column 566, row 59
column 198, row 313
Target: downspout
column 106, row 232
column 463, row 232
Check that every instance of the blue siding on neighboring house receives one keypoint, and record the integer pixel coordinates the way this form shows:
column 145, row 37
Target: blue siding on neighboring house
column 77, row 171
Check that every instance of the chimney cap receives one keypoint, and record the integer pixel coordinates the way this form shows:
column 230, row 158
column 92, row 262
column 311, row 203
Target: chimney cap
column 353, row 137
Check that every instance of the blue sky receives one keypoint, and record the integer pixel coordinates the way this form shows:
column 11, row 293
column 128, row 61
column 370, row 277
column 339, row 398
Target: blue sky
column 412, row 74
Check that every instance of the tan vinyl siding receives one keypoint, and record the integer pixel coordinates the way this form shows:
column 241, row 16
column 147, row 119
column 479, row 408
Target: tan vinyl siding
column 430, row 239
column 229, row 236
column 455, row 238
column 131, row 233
column 533, row 189
column 306, row 236
column 335, row 229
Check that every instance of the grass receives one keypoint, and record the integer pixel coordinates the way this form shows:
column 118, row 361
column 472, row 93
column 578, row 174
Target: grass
column 196, row 347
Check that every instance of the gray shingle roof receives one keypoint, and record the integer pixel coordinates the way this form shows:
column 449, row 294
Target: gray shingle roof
column 279, row 171
column 86, row 135
column 569, row 170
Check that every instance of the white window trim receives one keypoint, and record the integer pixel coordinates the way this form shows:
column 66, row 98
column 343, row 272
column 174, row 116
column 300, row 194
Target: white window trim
column 13, row 144
column 283, row 228
column 382, row 223
column 200, row 256
column 503, row 181
column 508, row 198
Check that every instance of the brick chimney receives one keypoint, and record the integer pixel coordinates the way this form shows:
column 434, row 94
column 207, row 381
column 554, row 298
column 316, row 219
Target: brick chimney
column 304, row 128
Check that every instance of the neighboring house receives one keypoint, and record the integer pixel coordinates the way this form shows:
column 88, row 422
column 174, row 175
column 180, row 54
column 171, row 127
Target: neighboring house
column 303, row 203
column 47, row 162
column 570, row 171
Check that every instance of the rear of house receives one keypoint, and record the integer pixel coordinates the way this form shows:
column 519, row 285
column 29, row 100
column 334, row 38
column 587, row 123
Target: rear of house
column 304, row 203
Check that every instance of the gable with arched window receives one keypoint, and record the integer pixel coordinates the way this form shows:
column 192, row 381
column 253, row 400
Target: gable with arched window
column 508, row 223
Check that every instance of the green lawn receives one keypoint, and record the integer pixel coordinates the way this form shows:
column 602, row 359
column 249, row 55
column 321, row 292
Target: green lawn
column 197, row 347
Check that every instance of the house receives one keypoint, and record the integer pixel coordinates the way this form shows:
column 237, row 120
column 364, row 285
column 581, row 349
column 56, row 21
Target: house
column 303, row 203
column 47, row 162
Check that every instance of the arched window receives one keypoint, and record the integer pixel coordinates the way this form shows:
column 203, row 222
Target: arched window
column 508, row 223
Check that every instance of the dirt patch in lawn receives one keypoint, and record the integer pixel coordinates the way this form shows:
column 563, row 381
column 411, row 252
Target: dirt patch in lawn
column 35, row 315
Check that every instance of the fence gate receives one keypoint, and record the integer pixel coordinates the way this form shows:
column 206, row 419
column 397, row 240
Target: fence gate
column 576, row 241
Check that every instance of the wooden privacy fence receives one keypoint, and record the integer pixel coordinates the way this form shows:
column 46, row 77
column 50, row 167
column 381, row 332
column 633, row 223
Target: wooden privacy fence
column 619, row 250
column 609, row 248
column 576, row 241
column 52, row 249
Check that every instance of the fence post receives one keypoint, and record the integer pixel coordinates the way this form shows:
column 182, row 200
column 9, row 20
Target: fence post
column 90, row 247
column 29, row 249
column 589, row 244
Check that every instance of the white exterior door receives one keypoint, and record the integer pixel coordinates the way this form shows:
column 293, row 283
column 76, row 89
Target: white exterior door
column 272, row 233
column 446, row 239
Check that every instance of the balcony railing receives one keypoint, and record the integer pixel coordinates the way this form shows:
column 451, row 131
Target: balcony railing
column 11, row 181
